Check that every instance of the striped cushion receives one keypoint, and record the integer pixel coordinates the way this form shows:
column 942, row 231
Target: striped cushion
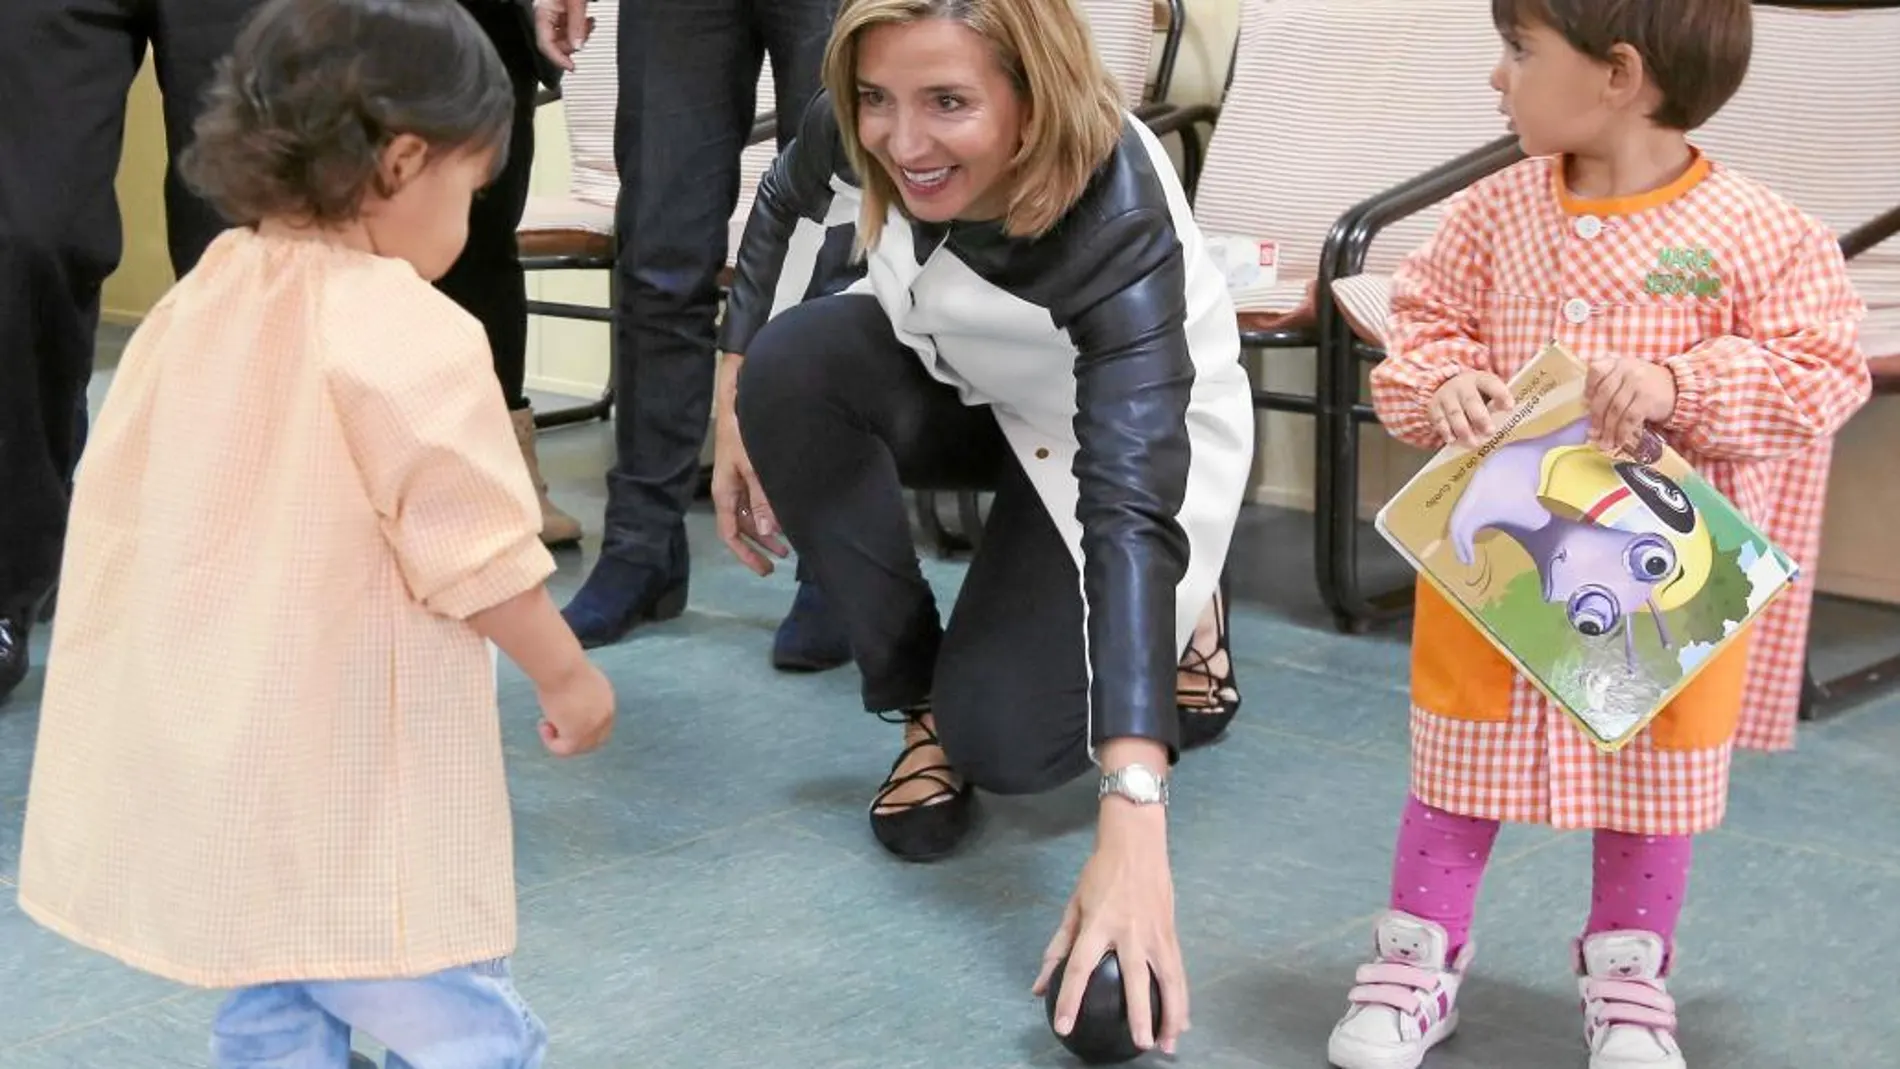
column 1880, row 334
column 1124, row 33
column 1332, row 102
column 1365, row 301
column 753, row 163
column 1818, row 121
column 567, row 213
column 588, row 94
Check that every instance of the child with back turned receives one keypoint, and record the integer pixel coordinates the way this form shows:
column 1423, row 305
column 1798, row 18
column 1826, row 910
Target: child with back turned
column 269, row 756
column 1748, row 372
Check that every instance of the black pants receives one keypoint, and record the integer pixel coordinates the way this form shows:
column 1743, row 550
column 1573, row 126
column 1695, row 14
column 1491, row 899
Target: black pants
column 486, row 279
column 65, row 69
column 688, row 86
column 839, row 417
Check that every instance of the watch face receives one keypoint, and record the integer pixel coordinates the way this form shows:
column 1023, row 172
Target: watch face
column 1139, row 783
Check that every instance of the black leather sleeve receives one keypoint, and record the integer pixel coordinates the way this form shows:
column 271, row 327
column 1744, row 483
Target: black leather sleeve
column 797, row 185
column 1126, row 315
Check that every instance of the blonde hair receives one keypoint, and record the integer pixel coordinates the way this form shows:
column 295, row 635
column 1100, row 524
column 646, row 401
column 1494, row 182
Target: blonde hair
column 1073, row 109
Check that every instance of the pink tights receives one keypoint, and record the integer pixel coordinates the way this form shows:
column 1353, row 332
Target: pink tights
column 1639, row 880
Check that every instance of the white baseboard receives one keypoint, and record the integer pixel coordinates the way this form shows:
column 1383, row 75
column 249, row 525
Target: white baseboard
column 1880, row 588
column 580, row 391
column 1300, row 500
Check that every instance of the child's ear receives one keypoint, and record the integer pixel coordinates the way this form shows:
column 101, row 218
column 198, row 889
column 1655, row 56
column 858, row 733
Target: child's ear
column 1629, row 77
column 402, row 160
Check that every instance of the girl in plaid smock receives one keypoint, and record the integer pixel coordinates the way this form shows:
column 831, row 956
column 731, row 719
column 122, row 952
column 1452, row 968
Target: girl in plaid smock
column 1710, row 310
column 269, row 757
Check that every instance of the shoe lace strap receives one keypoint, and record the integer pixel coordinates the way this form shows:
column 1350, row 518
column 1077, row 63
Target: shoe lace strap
column 938, row 774
column 1211, row 691
column 905, row 716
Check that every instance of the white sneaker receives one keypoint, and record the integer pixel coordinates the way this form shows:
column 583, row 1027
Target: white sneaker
column 1629, row 1020
column 1403, row 1002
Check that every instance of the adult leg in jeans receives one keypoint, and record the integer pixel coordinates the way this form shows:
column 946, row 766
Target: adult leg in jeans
column 486, row 280
column 688, row 87
column 811, row 637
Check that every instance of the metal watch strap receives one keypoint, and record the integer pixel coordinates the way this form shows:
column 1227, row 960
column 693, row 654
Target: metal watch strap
column 1137, row 783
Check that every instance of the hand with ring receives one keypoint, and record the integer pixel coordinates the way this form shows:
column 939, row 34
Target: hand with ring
column 746, row 523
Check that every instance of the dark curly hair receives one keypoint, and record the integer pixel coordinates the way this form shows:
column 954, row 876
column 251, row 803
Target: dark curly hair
column 297, row 118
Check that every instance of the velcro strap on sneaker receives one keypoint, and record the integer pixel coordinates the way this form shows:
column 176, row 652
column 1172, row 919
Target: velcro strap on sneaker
column 1633, row 1002
column 1402, row 987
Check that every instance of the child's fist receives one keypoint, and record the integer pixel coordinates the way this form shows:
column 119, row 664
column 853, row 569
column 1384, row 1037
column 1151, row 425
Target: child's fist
column 1624, row 395
column 1462, row 407
column 578, row 713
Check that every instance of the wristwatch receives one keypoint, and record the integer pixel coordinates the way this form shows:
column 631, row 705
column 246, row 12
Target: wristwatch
column 1137, row 783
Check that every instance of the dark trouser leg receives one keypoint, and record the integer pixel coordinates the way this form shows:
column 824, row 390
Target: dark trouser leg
column 68, row 64
column 1012, row 679
column 795, row 32
column 688, row 72
column 486, row 279
column 191, row 37
column 837, row 416
column 45, row 357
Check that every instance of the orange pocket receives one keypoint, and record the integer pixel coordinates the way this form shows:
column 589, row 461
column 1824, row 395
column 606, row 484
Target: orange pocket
column 1456, row 672
column 1704, row 713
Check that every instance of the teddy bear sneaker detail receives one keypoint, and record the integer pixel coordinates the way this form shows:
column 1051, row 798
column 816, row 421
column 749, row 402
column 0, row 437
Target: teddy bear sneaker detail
column 1629, row 1019
column 1404, row 1001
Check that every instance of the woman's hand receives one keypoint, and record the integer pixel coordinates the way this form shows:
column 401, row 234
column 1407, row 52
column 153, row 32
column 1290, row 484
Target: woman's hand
column 746, row 523
column 561, row 27
column 1124, row 901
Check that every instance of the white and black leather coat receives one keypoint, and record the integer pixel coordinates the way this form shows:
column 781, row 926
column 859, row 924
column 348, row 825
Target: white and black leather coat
column 1107, row 350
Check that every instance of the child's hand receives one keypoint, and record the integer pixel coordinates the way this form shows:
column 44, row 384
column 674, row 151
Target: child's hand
column 1623, row 395
column 1462, row 407
column 578, row 713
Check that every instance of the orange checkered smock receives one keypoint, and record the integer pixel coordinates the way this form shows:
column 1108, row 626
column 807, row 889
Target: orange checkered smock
column 269, row 748
column 1767, row 368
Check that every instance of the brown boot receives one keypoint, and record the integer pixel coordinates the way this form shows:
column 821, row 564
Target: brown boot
column 557, row 527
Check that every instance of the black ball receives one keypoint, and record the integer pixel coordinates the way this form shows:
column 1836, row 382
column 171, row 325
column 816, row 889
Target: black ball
column 1101, row 1035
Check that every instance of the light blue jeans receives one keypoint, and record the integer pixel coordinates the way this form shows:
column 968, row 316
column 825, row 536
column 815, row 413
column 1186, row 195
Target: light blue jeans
column 465, row 1018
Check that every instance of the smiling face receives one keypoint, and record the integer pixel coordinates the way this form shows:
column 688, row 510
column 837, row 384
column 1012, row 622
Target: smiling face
column 941, row 116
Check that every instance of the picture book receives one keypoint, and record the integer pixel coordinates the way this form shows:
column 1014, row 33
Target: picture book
column 1608, row 580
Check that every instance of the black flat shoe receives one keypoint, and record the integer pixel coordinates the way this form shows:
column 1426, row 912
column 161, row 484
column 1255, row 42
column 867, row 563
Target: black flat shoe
column 14, row 662
column 932, row 827
column 16, row 627
column 1207, row 708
